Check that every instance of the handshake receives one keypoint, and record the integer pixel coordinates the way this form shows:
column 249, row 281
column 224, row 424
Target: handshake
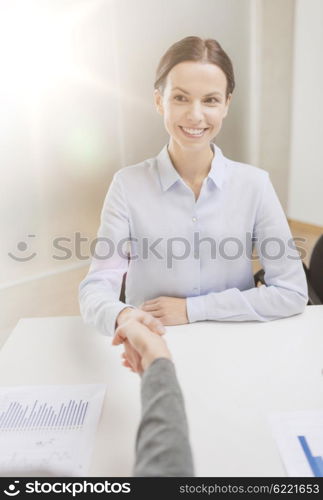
column 140, row 333
column 162, row 442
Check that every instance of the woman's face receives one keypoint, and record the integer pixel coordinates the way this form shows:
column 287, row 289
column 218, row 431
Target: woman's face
column 194, row 103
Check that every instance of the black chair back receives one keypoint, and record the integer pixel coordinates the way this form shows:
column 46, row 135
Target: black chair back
column 316, row 268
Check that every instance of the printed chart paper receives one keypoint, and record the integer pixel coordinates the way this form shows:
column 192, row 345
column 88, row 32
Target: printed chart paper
column 48, row 430
column 299, row 436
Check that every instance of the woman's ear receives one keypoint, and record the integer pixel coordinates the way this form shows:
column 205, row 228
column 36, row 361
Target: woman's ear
column 158, row 98
column 227, row 104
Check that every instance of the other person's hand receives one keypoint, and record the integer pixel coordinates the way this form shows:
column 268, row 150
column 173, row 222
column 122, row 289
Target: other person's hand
column 142, row 346
column 147, row 319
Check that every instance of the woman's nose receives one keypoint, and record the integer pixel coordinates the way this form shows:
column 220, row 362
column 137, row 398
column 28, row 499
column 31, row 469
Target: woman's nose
column 194, row 113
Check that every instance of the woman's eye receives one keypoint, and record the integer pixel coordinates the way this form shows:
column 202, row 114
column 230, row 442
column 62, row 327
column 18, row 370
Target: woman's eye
column 179, row 97
column 212, row 100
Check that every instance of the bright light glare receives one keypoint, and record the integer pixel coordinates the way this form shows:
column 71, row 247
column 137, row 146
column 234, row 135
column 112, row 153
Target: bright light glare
column 43, row 51
column 39, row 52
column 45, row 45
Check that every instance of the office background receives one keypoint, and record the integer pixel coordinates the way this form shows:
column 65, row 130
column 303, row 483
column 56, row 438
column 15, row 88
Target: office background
column 76, row 105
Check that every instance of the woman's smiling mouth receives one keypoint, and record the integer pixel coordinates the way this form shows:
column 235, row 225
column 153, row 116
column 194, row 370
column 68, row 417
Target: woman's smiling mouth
column 193, row 132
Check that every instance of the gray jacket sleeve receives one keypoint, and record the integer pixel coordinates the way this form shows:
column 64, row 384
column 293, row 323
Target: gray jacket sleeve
column 162, row 444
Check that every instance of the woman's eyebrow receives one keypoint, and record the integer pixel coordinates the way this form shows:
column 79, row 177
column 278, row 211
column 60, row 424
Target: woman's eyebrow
column 206, row 95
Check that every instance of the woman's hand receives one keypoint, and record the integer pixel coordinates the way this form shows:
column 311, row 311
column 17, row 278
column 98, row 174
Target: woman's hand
column 147, row 319
column 169, row 310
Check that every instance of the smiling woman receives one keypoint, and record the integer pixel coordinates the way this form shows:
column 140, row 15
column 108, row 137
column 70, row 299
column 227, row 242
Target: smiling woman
column 193, row 89
column 177, row 208
column 193, row 115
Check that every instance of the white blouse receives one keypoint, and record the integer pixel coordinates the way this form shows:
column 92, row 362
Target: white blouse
column 195, row 249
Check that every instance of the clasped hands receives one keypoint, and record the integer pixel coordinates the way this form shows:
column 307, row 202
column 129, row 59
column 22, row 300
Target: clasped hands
column 140, row 330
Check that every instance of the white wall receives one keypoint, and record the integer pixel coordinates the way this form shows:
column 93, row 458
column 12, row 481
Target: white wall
column 306, row 170
column 275, row 20
column 59, row 136
column 76, row 100
column 65, row 129
column 145, row 30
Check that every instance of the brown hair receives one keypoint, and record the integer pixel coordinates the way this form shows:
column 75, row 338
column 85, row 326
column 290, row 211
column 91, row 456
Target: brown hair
column 193, row 48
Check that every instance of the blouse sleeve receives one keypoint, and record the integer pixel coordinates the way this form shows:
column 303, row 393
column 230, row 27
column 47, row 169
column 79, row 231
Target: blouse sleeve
column 285, row 292
column 100, row 289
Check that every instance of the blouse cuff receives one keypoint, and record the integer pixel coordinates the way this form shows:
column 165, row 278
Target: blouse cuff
column 111, row 320
column 196, row 309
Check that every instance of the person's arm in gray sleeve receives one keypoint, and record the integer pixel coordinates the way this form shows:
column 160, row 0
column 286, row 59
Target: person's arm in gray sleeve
column 162, row 444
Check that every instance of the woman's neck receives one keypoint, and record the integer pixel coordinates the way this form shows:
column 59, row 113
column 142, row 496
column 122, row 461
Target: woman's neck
column 192, row 166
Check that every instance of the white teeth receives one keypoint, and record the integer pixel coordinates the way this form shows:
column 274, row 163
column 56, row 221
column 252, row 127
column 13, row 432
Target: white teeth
column 193, row 131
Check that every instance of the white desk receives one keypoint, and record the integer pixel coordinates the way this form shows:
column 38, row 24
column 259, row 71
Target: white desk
column 232, row 376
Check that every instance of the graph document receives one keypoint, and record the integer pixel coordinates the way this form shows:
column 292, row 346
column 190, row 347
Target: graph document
column 299, row 436
column 48, row 430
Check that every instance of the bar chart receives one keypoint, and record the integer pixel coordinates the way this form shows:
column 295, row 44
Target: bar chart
column 42, row 415
column 316, row 463
column 48, row 430
column 299, row 437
